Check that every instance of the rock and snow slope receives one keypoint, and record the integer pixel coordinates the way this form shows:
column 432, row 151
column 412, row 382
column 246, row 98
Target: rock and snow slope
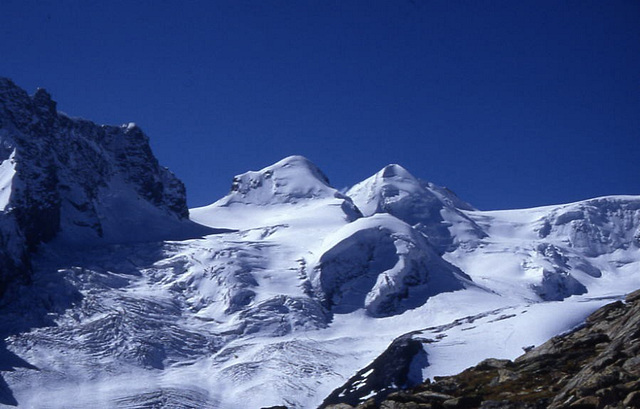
column 549, row 267
column 305, row 287
column 76, row 181
column 382, row 265
column 592, row 366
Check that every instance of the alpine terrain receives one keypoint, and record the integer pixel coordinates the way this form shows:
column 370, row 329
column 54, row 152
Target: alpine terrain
column 285, row 292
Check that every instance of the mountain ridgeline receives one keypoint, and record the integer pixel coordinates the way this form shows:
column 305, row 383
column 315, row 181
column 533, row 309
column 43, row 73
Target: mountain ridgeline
column 74, row 180
column 286, row 291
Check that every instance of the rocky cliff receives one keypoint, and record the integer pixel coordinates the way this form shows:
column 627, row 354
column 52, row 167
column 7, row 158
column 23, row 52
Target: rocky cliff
column 75, row 180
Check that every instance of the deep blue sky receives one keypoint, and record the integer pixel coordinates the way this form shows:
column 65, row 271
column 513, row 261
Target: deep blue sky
column 508, row 103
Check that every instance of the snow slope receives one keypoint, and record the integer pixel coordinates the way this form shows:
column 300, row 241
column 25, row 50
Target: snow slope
column 557, row 251
column 303, row 288
column 241, row 319
column 430, row 209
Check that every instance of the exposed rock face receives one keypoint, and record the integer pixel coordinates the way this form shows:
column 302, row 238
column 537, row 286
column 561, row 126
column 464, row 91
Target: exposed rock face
column 392, row 370
column 71, row 178
column 14, row 263
column 596, row 366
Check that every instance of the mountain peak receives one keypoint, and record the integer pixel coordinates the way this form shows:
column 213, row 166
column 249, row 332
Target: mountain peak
column 421, row 204
column 6, row 83
column 384, row 190
column 42, row 99
column 290, row 180
column 395, row 171
column 302, row 163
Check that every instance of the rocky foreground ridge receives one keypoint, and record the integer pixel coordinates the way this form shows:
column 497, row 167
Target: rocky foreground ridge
column 595, row 366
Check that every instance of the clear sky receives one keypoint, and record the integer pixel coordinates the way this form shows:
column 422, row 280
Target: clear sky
column 508, row 103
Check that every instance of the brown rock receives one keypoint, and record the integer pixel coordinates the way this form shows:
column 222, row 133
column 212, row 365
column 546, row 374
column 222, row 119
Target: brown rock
column 400, row 396
column 389, row 404
column 632, row 297
column 630, row 386
column 608, row 395
column 632, row 400
column 505, row 375
column 632, row 365
column 605, row 312
column 368, row 404
column 493, row 363
column 594, row 367
column 463, row 402
column 588, row 402
column 429, row 397
column 589, row 381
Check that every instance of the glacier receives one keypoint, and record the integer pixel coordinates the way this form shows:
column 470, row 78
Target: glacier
column 284, row 292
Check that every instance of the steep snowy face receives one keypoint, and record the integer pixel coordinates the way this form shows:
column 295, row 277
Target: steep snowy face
column 291, row 180
column 596, row 227
column 583, row 235
column 12, row 245
column 556, row 251
column 76, row 179
column 7, row 171
column 382, row 265
column 428, row 208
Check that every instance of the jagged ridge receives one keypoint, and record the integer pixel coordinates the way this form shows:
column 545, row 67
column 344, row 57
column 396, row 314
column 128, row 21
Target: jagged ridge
column 73, row 179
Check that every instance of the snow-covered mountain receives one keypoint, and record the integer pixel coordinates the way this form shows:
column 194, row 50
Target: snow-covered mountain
column 76, row 181
column 279, row 293
column 430, row 209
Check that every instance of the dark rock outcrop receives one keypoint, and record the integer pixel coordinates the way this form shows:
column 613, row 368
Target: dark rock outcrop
column 393, row 370
column 61, row 176
column 596, row 366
